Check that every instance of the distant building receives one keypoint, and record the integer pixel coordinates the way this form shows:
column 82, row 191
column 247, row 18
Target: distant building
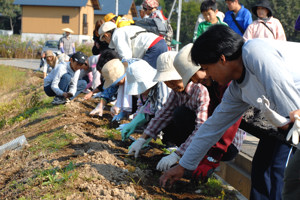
column 45, row 19
column 126, row 8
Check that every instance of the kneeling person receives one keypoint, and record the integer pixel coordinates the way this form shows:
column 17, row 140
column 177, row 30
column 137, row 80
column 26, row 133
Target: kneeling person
column 63, row 81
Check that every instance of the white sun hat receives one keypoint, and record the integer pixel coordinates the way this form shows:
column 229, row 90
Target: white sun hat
column 68, row 30
column 165, row 68
column 105, row 27
column 139, row 77
column 113, row 71
column 184, row 65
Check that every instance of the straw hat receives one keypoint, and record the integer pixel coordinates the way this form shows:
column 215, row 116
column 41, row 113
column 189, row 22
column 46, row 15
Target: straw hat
column 49, row 53
column 109, row 17
column 184, row 65
column 139, row 77
column 165, row 68
column 105, row 27
column 68, row 30
column 112, row 71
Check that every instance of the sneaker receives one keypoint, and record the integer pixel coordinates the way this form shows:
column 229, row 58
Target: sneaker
column 59, row 100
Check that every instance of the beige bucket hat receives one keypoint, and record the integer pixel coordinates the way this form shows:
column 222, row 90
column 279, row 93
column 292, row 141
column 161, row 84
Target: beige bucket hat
column 105, row 27
column 165, row 68
column 68, row 30
column 139, row 77
column 113, row 71
column 184, row 65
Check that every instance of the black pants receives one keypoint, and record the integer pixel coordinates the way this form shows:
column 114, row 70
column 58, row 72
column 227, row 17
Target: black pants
column 182, row 125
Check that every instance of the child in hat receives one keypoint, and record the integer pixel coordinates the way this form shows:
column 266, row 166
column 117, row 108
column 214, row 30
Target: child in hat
column 52, row 60
column 113, row 73
column 151, row 94
column 63, row 81
column 266, row 26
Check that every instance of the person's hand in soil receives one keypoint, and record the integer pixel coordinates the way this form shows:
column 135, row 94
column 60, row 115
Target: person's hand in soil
column 136, row 146
column 139, row 120
column 166, row 162
column 171, row 176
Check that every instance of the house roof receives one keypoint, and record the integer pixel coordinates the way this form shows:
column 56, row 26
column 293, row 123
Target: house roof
column 59, row 3
column 109, row 6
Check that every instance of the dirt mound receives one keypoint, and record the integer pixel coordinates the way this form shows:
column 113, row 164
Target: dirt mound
column 71, row 155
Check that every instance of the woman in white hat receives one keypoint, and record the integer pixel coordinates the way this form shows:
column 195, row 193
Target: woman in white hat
column 152, row 94
column 185, row 107
column 113, row 73
column 66, row 43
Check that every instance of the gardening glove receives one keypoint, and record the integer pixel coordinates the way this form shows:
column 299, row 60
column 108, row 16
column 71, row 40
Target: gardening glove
column 205, row 169
column 120, row 116
column 98, row 110
column 294, row 133
column 139, row 120
column 272, row 116
column 120, row 128
column 166, row 162
column 136, row 147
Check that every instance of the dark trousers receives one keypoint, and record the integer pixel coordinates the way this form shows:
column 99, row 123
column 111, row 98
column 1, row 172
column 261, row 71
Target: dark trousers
column 268, row 169
column 181, row 126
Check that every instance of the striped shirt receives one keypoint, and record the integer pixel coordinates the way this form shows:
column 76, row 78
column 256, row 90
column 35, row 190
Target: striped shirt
column 154, row 101
column 194, row 97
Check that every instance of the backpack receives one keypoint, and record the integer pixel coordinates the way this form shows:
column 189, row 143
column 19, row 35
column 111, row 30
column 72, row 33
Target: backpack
column 158, row 27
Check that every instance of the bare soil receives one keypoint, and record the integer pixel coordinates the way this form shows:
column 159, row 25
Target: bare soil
column 104, row 170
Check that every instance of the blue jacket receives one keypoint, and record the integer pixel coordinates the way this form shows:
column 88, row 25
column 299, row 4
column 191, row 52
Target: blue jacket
column 243, row 17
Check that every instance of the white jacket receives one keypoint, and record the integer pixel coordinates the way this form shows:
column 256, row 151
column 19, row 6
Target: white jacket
column 131, row 48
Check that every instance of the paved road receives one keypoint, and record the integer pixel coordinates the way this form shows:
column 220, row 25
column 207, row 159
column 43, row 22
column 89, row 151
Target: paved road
column 23, row 63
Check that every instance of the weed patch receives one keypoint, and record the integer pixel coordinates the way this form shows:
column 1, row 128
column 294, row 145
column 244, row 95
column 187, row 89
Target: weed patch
column 51, row 142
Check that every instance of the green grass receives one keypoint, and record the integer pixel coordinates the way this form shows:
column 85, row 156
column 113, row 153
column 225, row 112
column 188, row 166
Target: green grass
column 11, row 78
column 51, row 142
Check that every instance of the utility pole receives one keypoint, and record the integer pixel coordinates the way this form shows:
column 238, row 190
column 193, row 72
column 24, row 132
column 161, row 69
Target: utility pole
column 178, row 23
column 117, row 8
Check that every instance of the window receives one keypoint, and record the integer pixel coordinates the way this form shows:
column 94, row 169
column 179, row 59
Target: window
column 65, row 19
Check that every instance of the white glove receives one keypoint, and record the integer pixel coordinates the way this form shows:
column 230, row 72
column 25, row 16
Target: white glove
column 294, row 133
column 272, row 116
column 166, row 162
column 98, row 110
column 136, row 147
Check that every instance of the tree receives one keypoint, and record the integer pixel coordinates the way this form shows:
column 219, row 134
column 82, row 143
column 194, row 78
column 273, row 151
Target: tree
column 10, row 10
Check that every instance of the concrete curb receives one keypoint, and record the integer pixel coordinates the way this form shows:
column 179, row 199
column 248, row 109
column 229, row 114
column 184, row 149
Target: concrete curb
column 237, row 173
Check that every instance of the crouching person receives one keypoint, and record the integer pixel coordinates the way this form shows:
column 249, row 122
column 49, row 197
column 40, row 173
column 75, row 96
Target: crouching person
column 151, row 94
column 63, row 81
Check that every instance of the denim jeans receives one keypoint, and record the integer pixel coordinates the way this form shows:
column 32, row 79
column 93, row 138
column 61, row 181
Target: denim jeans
column 152, row 54
column 268, row 169
column 64, row 86
column 291, row 188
